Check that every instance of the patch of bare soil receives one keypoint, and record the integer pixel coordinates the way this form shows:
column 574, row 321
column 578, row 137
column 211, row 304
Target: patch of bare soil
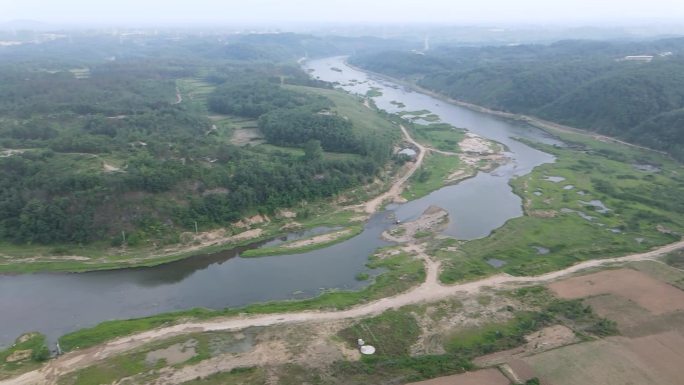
column 25, row 337
column 457, row 176
column 543, row 213
column 110, row 168
column 478, row 377
column 431, row 221
column 650, row 360
column 548, row 338
column 286, row 214
column 318, row 239
column 9, row 152
column 255, row 220
column 291, row 226
column 440, row 320
column 632, row 319
column 245, row 136
column 19, row 355
column 307, row 345
column 174, row 354
column 651, row 294
column 47, row 258
column 272, row 352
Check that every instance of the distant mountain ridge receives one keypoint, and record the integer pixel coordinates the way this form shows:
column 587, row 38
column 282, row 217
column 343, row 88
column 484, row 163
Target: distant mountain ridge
column 26, row 25
column 586, row 84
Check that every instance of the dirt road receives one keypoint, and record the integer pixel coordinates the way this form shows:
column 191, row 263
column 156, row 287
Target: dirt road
column 398, row 186
column 430, row 291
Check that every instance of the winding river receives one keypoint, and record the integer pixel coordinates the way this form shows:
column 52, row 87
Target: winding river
column 57, row 303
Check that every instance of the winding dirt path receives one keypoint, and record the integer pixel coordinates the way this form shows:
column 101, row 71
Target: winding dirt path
column 398, row 186
column 429, row 291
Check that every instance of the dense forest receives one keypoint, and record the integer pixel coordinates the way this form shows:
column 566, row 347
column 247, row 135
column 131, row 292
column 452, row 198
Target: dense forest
column 586, row 84
column 94, row 141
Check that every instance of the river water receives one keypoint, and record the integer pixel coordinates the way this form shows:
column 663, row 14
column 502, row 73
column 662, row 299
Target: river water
column 57, row 303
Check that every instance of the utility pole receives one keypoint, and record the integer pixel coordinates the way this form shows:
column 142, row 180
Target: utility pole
column 195, row 227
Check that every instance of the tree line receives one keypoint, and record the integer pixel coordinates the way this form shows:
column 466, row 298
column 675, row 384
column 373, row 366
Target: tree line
column 585, row 84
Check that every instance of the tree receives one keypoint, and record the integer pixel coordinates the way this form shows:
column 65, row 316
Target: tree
column 313, row 150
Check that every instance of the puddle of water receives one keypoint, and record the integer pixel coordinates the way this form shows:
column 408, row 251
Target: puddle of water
column 496, row 262
column 174, row 354
column 580, row 213
column 541, row 250
column 598, row 206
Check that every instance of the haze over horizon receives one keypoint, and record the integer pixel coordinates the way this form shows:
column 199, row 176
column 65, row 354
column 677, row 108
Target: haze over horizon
column 159, row 13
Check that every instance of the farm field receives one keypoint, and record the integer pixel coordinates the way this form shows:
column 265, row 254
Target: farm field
column 480, row 377
column 650, row 318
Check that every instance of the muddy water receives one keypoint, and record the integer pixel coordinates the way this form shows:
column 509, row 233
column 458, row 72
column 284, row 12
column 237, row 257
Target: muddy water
column 58, row 303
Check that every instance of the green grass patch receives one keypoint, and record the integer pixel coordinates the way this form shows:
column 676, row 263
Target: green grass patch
column 363, row 119
column 397, row 370
column 31, row 348
column 639, row 204
column 136, row 363
column 311, row 215
column 494, row 337
column 283, row 249
column 675, row 259
column 431, row 176
column 417, row 113
column 441, row 136
column 237, row 376
column 109, row 371
column 391, row 333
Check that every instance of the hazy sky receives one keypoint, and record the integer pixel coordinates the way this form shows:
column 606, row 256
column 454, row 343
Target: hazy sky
column 266, row 11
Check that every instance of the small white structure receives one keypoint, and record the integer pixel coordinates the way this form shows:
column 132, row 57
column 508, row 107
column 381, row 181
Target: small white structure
column 367, row 349
column 411, row 153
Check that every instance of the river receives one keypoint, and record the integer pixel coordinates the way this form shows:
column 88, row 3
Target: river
column 57, row 303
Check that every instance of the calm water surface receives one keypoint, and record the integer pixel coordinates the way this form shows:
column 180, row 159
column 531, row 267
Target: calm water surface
column 59, row 303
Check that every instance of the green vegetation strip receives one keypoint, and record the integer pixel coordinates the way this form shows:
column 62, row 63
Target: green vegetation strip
column 499, row 336
column 645, row 210
column 402, row 271
column 393, row 333
column 283, row 249
column 432, row 175
column 27, row 352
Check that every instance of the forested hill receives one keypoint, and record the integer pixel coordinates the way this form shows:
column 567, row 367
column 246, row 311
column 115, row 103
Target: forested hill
column 586, row 84
column 99, row 137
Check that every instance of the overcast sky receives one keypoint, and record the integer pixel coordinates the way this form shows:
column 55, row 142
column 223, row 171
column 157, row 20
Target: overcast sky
column 383, row 11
